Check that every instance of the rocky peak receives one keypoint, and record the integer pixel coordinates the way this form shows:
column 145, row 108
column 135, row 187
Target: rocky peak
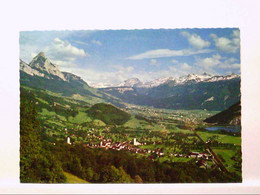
column 158, row 82
column 206, row 74
column 29, row 70
column 220, row 78
column 42, row 54
column 22, row 64
column 43, row 64
column 132, row 82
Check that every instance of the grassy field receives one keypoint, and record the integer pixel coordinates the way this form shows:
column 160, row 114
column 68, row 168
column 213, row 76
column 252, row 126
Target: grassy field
column 182, row 131
column 56, row 123
column 73, row 179
column 226, row 154
column 81, row 117
column 221, row 138
column 99, row 122
column 132, row 123
column 47, row 113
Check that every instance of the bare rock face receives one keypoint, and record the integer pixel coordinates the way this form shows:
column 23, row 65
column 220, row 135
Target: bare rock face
column 71, row 77
column 27, row 69
column 130, row 83
column 42, row 63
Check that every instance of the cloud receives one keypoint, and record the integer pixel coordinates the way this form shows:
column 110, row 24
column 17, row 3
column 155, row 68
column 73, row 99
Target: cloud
column 160, row 53
column 185, row 66
column 209, row 61
column 217, row 62
column 115, row 76
column 195, row 40
column 236, row 37
column 231, row 60
column 64, row 50
column 227, row 45
column 63, row 53
column 28, row 52
column 81, row 42
column 64, row 63
column 184, row 69
column 230, row 66
column 153, row 62
column 174, row 61
column 129, row 68
column 97, row 42
column 122, row 68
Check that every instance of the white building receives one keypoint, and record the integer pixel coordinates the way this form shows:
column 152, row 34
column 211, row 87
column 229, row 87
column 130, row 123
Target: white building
column 136, row 143
column 68, row 140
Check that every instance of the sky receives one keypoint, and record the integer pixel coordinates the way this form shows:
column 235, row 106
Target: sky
column 112, row 56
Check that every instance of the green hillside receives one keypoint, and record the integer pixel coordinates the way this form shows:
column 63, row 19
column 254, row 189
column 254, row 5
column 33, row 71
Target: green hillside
column 109, row 114
column 42, row 74
column 73, row 179
column 230, row 116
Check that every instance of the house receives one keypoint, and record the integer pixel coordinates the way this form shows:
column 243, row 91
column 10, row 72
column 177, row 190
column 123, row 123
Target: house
column 136, row 143
column 194, row 154
column 161, row 154
column 68, row 140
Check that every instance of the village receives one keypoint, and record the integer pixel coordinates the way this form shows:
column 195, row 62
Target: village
column 132, row 146
column 154, row 134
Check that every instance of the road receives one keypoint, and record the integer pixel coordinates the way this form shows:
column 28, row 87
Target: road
column 215, row 157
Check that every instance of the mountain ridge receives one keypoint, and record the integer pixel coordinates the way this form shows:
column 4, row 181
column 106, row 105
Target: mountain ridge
column 191, row 91
column 42, row 66
column 216, row 93
column 230, row 116
column 194, row 78
column 42, row 74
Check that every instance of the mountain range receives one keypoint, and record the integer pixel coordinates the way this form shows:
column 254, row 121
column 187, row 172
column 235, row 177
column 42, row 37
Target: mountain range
column 190, row 78
column 187, row 92
column 192, row 91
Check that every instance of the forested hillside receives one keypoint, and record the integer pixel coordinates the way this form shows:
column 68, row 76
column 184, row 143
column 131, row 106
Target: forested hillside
column 37, row 165
column 230, row 116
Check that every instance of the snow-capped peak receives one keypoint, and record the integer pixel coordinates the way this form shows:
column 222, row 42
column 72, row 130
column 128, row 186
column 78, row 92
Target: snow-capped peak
column 132, row 82
column 220, row 78
column 190, row 78
column 157, row 82
column 193, row 78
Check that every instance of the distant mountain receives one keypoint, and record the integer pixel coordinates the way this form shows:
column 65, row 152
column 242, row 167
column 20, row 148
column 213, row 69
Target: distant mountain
column 157, row 82
column 187, row 92
column 231, row 116
column 41, row 73
column 190, row 78
column 133, row 82
column 44, row 65
column 41, row 66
